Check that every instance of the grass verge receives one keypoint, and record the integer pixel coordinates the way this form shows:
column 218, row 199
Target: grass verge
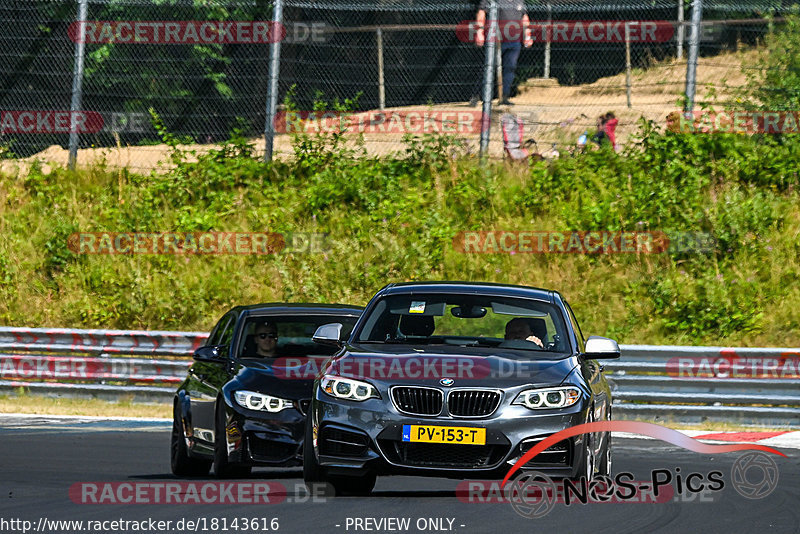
column 40, row 405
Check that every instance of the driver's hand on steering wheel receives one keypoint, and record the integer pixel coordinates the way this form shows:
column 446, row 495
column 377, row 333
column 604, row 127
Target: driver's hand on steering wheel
column 536, row 340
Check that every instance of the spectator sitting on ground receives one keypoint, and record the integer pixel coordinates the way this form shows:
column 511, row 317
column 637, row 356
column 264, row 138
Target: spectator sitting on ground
column 610, row 127
column 606, row 130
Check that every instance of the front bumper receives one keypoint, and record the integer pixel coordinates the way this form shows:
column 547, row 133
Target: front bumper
column 356, row 437
column 263, row 439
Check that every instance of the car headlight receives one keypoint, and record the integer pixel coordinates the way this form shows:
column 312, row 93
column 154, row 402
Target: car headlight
column 548, row 398
column 347, row 388
column 258, row 401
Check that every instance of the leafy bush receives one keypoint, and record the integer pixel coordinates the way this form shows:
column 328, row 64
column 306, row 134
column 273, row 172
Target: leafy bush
column 57, row 253
column 393, row 218
column 774, row 83
column 708, row 306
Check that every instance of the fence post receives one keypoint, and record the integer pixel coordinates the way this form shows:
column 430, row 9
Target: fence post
column 381, row 89
column 498, row 70
column 77, row 84
column 691, row 63
column 492, row 34
column 274, row 74
column 681, row 30
column 628, row 61
column 546, row 74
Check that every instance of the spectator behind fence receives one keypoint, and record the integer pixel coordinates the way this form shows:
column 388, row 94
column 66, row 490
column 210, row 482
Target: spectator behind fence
column 606, row 130
column 511, row 37
column 611, row 129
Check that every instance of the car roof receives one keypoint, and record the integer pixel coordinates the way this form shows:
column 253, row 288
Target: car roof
column 475, row 288
column 269, row 308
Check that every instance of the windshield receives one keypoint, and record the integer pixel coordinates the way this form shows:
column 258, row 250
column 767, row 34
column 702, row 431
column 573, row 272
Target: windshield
column 282, row 336
column 466, row 320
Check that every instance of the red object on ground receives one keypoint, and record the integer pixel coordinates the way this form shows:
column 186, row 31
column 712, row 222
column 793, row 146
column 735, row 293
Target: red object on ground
column 741, row 436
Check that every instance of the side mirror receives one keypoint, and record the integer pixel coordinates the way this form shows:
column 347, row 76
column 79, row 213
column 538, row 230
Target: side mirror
column 328, row 334
column 601, row 348
column 208, row 353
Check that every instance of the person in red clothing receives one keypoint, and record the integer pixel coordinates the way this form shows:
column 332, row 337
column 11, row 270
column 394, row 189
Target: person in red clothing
column 606, row 129
column 610, row 128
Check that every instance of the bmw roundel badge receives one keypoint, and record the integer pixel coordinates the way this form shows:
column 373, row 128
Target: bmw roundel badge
column 447, row 381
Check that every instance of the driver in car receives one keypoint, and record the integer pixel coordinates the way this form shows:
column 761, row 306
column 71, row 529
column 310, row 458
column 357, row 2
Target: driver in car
column 520, row 329
column 266, row 338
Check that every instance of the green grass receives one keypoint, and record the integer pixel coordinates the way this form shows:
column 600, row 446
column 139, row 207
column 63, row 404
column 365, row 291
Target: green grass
column 393, row 219
column 41, row 405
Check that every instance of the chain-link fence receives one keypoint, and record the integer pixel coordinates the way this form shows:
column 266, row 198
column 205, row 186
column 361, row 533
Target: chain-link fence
column 204, row 68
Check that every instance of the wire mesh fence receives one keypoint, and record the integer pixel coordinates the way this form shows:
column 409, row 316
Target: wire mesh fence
column 409, row 65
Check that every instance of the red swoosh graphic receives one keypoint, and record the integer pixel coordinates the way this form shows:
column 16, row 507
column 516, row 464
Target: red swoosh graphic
column 635, row 427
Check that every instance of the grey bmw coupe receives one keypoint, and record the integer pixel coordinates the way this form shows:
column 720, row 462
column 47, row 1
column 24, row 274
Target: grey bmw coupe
column 455, row 379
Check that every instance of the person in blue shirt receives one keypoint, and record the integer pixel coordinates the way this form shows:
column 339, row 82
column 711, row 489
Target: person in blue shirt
column 514, row 32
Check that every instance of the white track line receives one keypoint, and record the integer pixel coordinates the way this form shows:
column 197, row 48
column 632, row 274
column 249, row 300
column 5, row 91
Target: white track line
column 78, row 418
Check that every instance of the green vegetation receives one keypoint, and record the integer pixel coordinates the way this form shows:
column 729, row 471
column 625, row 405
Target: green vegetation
column 394, row 219
column 22, row 401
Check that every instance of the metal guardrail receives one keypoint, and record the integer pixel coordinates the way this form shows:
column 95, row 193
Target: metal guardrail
column 106, row 364
column 669, row 384
column 757, row 386
column 100, row 341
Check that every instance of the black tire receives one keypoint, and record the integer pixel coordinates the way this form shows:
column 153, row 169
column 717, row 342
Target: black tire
column 604, row 468
column 222, row 467
column 320, row 483
column 313, row 473
column 586, row 469
column 181, row 463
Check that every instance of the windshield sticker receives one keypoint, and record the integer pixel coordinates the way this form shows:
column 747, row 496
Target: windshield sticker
column 417, row 306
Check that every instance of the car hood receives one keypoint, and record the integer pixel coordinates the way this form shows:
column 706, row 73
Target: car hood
column 404, row 365
column 288, row 382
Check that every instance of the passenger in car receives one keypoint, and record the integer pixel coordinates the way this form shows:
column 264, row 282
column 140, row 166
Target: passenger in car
column 520, row 328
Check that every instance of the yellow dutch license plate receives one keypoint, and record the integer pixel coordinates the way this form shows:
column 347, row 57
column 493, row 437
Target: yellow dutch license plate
column 444, row 434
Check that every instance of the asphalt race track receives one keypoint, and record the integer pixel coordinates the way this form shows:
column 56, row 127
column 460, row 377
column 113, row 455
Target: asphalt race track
column 41, row 460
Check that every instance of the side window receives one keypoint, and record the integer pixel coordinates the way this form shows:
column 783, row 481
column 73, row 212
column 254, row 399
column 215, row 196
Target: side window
column 226, row 335
column 213, row 339
column 578, row 333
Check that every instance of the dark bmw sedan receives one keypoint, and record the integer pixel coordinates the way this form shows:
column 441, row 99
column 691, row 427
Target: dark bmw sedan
column 244, row 401
column 457, row 380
